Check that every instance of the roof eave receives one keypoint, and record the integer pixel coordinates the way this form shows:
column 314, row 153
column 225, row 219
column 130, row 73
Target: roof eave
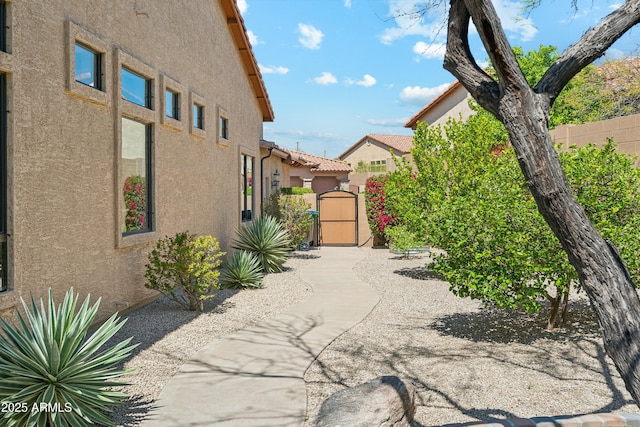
column 239, row 34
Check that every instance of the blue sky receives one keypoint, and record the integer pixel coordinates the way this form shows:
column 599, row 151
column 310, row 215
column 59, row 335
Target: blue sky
column 336, row 70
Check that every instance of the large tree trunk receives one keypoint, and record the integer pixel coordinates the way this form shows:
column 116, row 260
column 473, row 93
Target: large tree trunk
column 524, row 112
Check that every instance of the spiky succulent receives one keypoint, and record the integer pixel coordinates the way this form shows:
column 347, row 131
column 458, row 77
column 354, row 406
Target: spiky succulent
column 267, row 239
column 52, row 373
column 243, row 270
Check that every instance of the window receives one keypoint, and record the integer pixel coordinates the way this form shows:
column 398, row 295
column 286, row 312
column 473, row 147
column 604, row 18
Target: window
column 246, row 177
column 3, row 26
column 136, row 88
column 3, row 183
column 172, row 104
column 224, row 128
column 135, row 176
column 198, row 116
column 88, row 66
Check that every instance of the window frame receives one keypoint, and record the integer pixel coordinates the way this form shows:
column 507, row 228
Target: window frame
column 147, row 86
column 198, row 116
column 168, row 84
column 4, row 45
column 245, row 197
column 150, row 199
column 97, row 66
column 78, row 35
column 4, row 176
column 175, row 104
column 197, row 100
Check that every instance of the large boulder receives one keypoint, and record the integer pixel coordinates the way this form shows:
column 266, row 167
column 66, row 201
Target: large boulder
column 386, row 401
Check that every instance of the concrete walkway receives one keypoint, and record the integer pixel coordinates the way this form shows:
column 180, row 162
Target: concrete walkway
column 254, row 377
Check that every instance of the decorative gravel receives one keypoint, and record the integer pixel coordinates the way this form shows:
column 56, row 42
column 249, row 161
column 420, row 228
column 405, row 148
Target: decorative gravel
column 467, row 362
column 168, row 334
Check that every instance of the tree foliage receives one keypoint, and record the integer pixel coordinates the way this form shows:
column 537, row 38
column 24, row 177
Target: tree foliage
column 475, row 205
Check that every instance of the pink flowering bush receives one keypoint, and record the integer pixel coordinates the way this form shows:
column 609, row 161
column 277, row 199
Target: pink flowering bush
column 378, row 214
column 135, row 200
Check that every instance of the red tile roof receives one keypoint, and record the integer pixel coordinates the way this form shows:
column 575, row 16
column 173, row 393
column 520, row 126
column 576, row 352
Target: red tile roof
column 401, row 143
column 318, row 163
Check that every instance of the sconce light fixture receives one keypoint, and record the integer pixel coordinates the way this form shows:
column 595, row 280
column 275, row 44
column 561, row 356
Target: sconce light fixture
column 275, row 182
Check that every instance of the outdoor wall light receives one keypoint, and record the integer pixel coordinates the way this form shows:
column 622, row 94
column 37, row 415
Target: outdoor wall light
column 276, row 179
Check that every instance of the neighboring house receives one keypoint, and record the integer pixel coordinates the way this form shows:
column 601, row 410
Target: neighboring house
column 275, row 164
column 120, row 123
column 373, row 155
column 317, row 173
column 453, row 102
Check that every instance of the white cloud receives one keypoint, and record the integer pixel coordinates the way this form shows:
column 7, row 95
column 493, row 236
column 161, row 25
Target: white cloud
column 253, row 39
column 367, row 81
column 511, row 16
column 417, row 95
column 387, row 122
column 310, row 36
column 326, row 78
column 347, row 3
column 430, row 50
column 273, row 69
column 411, row 19
column 242, row 6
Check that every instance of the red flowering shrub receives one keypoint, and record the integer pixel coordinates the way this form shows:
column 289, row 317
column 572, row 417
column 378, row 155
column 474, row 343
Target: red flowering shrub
column 135, row 200
column 378, row 214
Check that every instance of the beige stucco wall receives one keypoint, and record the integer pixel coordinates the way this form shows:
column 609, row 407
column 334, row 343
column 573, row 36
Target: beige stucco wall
column 455, row 105
column 625, row 131
column 367, row 151
column 63, row 146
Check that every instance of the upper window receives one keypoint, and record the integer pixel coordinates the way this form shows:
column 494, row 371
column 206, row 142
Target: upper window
column 198, row 116
column 135, row 176
column 3, row 183
column 224, row 128
column 172, row 104
column 3, row 26
column 136, row 88
column 88, row 64
column 246, row 178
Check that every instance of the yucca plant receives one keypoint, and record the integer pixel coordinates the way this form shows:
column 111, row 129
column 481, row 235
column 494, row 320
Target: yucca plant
column 52, row 373
column 268, row 239
column 243, row 270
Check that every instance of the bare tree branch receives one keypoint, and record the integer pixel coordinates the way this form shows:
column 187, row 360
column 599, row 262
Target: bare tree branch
column 590, row 47
column 460, row 62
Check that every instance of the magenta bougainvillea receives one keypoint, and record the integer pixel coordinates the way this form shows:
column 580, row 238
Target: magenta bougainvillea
column 135, row 200
column 378, row 214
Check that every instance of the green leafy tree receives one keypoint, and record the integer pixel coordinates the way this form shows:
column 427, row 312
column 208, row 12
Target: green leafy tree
column 292, row 212
column 480, row 211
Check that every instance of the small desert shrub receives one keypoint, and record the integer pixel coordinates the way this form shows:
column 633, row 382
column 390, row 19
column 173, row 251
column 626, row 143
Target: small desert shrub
column 267, row 239
column 292, row 212
column 243, row 270
column 52, row 373
column 185, row 268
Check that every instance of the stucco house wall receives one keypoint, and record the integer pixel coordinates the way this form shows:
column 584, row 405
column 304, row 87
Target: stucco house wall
column 64, row 139
column 453, row 102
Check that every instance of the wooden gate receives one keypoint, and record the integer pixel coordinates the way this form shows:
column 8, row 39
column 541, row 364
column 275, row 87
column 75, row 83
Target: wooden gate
column 338, row 212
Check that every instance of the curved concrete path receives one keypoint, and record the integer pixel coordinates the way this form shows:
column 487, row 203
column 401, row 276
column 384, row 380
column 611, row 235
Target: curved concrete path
column 254, row 377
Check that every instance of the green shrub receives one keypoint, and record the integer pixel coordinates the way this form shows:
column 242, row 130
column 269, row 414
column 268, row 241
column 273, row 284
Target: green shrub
column 185, row 268
column 401, row 239
column 268, row 239
column 52, row 373
column 291, row 211
column 296, row 191
column 243, row 270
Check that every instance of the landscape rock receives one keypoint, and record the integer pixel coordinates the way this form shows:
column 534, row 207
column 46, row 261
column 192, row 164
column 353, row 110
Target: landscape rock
column 386, row 401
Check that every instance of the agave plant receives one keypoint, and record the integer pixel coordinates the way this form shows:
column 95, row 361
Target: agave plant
column 52, row 373
column 243, row 270
column 266, row 238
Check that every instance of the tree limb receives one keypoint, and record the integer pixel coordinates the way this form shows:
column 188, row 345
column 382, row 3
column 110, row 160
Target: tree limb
column 590, row 47
column 460, row 62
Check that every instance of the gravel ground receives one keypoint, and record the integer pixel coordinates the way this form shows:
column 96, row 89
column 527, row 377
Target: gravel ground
column 168, row 334
column 467, row 363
